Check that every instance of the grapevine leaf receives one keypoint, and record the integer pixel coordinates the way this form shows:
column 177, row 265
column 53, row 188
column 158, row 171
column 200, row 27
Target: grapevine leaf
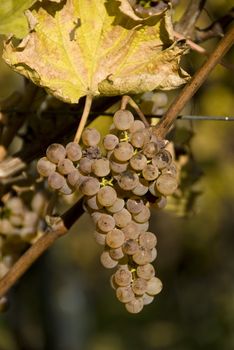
column 126, row 8
column 12, row 18
column 80, row 47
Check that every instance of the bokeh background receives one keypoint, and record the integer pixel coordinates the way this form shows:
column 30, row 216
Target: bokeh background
column 65, row 302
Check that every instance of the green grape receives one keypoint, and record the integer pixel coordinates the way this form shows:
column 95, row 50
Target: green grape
column 38, row 203
column 116, row 206
column 170, row 169
column 150, row 149
column 56, row 181
column 73, row 151
column 113, row 283
column 16, row 220
column 138, row 162
column 142, row 256
column 116, row 253
column 145, row 271
column 128, row 180
column 162, row 159
column 99, row 237
column 93, row 203
column 147, row 240
column 139, row 138
column 89, row 186
column 107, row 261
column 134, row 205
column 118, row 167
column 66, row 189
column 166, row 184
column 150, row 172
column 106, row 223
column 143, row 226
column 110, row 141
column 124, row 294
column 153, row 254
column 147, row 299
column 123, row 119
column 135, row 305
column 107, row 196
column 95, row 216
column 85, row 165
column 160, row 203
column 74, row 177
column 123, row 277
column 143, row 216
column 65, row 167
column 141, row 188
column 139, row 286
column 56, row 153
column 101, row 167
column 30, row 219
column 123, row 151
column 130, row 247
column 6, row 228
column 122, row 218
column 154, row 286
column 152, row 189
column 91, row 137
column 115, row 238
column 45, row 167
column 136, row 126
column 15, row 205
column 131, row 231
column 160, row 99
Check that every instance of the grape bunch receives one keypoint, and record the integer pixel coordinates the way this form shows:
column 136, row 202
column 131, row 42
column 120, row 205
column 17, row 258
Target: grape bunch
column 119, row 182
column 19, row 227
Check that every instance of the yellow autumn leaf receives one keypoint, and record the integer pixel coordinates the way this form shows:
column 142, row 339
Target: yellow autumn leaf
column 80, row 47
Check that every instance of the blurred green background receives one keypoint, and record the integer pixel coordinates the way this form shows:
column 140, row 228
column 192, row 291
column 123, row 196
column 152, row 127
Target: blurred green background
column 65, row 302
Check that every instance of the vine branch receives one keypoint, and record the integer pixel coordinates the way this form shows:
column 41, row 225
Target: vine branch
column 198, row 79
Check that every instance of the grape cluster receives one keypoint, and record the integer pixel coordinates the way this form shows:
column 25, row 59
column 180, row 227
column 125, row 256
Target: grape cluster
column 118, row 182
column 19, row 227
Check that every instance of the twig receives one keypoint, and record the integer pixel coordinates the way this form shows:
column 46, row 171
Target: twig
column 128, row 100
column 190, row 89
column 201, row 49
column 192, row 44
column 59, row 229
column 215, row 29
column 187, row 22
column 84, row 117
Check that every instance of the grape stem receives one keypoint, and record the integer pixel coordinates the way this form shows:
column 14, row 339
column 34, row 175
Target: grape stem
column 164, row 125
column 84, row 117
column 128, row 100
